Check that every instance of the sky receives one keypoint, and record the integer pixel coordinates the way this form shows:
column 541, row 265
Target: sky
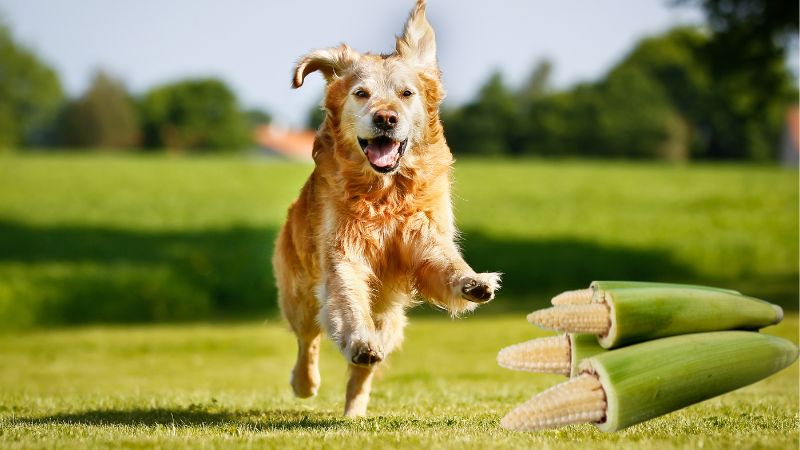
column 253, row 45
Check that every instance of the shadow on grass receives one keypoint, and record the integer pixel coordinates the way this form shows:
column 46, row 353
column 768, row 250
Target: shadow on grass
column 536, row 270
column 76, row 274
column 258, row 420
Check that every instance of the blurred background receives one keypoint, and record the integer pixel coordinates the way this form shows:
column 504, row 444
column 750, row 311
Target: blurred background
column 149, row 150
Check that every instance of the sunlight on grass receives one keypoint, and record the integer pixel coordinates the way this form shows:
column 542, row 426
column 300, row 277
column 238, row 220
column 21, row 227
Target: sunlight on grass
column 224, row 386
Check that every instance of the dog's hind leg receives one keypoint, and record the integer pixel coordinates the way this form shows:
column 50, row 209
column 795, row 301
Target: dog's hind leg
column 305, row 378
column 301, row 313
column 299, row 306
column 359, row 385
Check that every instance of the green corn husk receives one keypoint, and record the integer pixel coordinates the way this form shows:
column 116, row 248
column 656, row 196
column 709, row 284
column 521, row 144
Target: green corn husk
column 643, row 314
column 657, row 377
column 596, row 288
column 626, row 386
column 603, row 285
column 627, row 315
column 582, row 346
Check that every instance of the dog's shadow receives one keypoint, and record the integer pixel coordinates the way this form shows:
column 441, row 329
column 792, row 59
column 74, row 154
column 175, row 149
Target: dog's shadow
column 257, row 420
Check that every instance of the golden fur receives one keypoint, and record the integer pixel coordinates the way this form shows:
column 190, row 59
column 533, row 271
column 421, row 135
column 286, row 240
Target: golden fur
column 359, row 245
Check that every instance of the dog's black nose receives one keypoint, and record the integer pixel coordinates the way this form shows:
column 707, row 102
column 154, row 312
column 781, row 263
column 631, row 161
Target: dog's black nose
column 385, row 119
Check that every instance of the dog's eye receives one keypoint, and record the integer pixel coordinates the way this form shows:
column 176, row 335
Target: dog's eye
column 407, row 93
column 360, row 93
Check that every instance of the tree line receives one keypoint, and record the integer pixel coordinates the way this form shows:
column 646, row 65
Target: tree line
column 665, row 100
column 200, row 114
column 715, row 92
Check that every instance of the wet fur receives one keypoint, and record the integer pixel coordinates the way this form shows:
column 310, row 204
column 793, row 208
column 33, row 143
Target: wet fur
column 359, row 247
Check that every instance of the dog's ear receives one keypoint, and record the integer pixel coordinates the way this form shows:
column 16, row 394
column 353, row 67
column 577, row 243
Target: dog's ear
column 332, row 62
column 418, row 42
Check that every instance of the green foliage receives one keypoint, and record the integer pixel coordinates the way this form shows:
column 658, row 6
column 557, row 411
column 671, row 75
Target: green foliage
column 30, row 95
column 487, row 125
column 140, row 239
column 225, row 387
column 316, row 115
column 667, row 99
column 191, row 115
column 256, row 117
column 104, row 117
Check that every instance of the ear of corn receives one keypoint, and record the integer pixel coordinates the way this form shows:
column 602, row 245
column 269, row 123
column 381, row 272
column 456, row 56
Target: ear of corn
column 579, row 400
column 577, row 297
column 622, row 316
column 554, row 354
column 653, row 378
column 604, row 285
column 657, row 377
column 642, row 314
column 592, row 318
column 542, row 355
column 584, row 296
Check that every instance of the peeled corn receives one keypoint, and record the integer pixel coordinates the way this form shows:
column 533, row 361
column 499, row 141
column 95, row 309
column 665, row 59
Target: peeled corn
column 627, row 315
column 560, row 354
column 647, row 380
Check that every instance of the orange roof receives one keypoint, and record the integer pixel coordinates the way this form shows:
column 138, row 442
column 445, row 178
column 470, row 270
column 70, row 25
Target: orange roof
column 294, row 144
column 793, row 126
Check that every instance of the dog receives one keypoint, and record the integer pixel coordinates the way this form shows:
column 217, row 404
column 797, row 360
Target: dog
column 372, row 230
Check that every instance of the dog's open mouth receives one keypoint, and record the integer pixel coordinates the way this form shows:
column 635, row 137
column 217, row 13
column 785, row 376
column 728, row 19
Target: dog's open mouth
column 383, row 152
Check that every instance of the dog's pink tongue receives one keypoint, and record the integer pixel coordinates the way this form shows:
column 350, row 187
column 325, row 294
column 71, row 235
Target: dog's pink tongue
column 382, row 153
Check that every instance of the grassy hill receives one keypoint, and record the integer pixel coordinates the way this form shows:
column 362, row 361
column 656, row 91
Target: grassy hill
column 87, row 239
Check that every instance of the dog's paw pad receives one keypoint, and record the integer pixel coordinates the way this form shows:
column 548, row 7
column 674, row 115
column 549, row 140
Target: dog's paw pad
column 480, row 288
column 366, row 356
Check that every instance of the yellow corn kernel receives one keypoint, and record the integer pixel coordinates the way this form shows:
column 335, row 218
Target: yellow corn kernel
column 579, row 400
column 576, row 297
column 543, row 355
column 592, row 318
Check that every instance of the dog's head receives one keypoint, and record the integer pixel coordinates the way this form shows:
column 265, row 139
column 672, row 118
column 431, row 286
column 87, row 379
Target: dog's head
column 380, row 107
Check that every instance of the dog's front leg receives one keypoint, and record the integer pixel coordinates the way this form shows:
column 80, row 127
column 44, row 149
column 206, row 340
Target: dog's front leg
column 444, row 277
column 347, row 317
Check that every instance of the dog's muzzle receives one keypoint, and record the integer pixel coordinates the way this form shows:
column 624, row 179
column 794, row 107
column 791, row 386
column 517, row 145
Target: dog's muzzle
column 383, row 152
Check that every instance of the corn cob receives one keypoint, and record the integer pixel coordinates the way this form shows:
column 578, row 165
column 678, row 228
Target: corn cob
column 653, row 378
column 579, row 400
column 622, row 316
column 576, row 297
column 592, row 318
column 555, row 354
column 584, row 296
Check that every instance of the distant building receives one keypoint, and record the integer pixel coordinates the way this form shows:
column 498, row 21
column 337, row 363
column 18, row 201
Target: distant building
column 790, row 143
column 284, row 142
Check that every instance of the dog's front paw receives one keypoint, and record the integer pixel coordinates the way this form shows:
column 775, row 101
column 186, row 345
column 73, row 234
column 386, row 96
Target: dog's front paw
column 365, row 354
column 481, row 287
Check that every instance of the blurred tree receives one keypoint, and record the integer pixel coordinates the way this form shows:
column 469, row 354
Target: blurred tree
column 200, row 114
column 104, row 117
column 256, row 117
column 30, row 95
column 316, row 115
column 486, row 126
column 746, row 57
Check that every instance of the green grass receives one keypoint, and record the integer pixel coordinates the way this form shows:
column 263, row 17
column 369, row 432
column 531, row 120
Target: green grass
column 225, row 386
column 88, row 239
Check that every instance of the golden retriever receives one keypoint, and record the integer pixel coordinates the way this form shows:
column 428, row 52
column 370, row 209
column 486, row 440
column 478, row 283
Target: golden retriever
column 373, row 226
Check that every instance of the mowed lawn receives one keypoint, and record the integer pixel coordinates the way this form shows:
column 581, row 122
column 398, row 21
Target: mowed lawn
column 225, row 386
column 86, row 241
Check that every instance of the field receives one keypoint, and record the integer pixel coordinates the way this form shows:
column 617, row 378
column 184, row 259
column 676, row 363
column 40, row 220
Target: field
column 89, row 241
column 96, row 240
